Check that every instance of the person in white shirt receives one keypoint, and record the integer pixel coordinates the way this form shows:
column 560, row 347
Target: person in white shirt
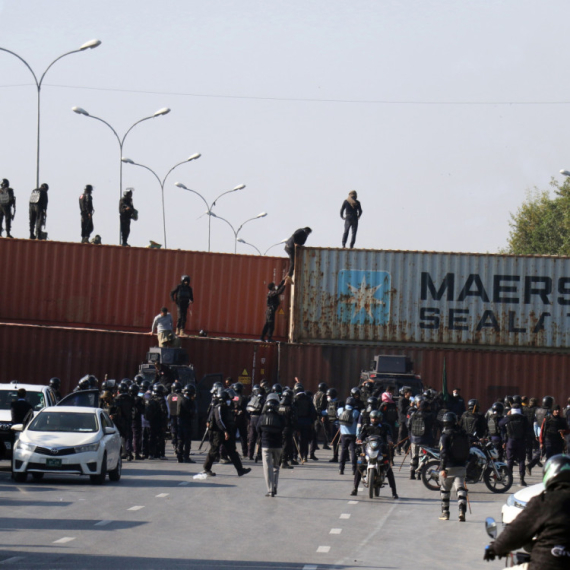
column 164, row 328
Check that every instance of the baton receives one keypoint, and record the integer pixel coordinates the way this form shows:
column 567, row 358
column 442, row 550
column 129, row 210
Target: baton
column 338, row 431
column 298, row 450
column 404, row 458
column 402, row 441
column 203, row 438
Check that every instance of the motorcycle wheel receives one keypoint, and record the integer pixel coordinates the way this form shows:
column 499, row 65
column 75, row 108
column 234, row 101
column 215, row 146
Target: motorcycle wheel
column 493, row 484
column 371, row 488
column 430, row 475
column 377, row 491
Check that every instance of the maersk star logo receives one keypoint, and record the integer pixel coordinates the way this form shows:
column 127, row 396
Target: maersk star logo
column 363, row 297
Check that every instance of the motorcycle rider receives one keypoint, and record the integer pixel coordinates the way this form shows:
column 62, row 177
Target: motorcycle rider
column 254, row 409
column 356, row 394
column 364, row 419
column 348, row 419
column 421, row 428
column 545, row 521
column 454, row 453
column 553, row 430
column 473, row 421
column 516, row 426
column 183, row 296
column 376, row 427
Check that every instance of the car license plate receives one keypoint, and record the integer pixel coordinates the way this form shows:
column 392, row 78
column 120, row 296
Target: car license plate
column 53, row 462
column 8, row 444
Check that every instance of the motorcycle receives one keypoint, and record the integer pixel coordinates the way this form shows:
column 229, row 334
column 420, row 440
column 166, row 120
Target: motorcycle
column 513, row 559
column 376, row 466
column 483, row 465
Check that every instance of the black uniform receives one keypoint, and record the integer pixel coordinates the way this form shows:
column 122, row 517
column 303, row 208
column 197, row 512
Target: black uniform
column 350, row 213
column 320, row 404
column 403, row 406
column 125, row 214
column 124, row 419
column 531, row 442
column 516, row 426
column 474, row 423
column 38, row 211
column 182, row 295
column 86, row 209
column 254, row 409
column 290, row 418
column 298, row 238
column 156, row 414
column 185, row 416
column 306, row 416
column 239, row 405
column 19, row 410
column 7, row 202
column 550, row 437
column 273, row 302
column 173, row 401
column 138, row 412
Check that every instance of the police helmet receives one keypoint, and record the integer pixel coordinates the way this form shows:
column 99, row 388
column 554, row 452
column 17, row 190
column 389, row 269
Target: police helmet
column 176, row 387
column 498, row 408
column 189, row 390
column 139, row 379
column 516, row 406
column 355, row 392
column 298, row 388
column 449, row 419
column 556, row 470
column 215, row 387
column 322, row 387
column 55, row 383
column 277, row 389
column 376, row 415
column 145, row 385
column 185, row 278
column 224, row 396
column 158, row 390
column 547, row 402
column 128, row 192
column 88, row 188
column 517, row 399
column 83, row 384
column 472, row 404
column 372, row 403
column 287, row 397
column 237, row 387
column 350, row 401
column 134, row 390
column 332, row 393
column 5, row 183
column 123, row 388
column 256, row 389
column 508, row 401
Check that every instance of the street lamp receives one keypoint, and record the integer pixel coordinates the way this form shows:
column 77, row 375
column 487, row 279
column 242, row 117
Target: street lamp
column 161, row 182
column 210, row 207
column 565, row 172
column 160, row 112
column 87, row 45
column 274, row 245
column 250, row 244
column 236, row 232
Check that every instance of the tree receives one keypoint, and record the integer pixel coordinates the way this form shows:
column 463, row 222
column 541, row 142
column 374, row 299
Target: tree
column 541, row 226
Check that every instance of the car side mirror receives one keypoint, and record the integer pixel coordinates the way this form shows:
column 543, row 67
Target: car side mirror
column 491, row 527
column 17, row 427
column 109, row 431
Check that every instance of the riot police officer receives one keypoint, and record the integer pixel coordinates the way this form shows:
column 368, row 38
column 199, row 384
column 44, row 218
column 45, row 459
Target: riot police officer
column 156, row 413
column 493, row 429
column 124, row 418
column 288, row 412
column 38, row 211
column 239, row 407
column 403, row 405
column 421, row 429
column 86, row 209
column 473, row 421
column 173, row 401
column 516, row 426
column 254, row 409
column 554, row 428
column 348, row 419
column 7, row 204
column 136, row 392
column 332, row 407
column 126, row 214
column 185, row 416
column 183, row 296
column 306, row 416
column 270, row 431
column 320, row 404
column 55, row 385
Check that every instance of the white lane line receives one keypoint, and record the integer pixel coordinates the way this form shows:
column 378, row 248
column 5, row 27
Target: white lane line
column 344, row 516
column 17, row 559
column 136, row 508
column 310, row 567
column 335, row 531
column 103, row 523
column 64, row 540
column 323, row 549
column 162, row 495
column 183, row 484
column 353, row 502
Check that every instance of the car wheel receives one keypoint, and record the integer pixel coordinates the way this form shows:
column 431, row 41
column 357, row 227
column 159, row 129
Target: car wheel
column 115, row 474
column 37, row 476
column 20, row 477
column 100, row 479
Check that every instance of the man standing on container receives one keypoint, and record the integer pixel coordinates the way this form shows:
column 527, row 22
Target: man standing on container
column 38, row 211
column 87, row 210
column 163, row 325
column 7, row 202
column 183, row 296
column 273, row 302
column 298, row 238
column 126, row 213
column 350, row 213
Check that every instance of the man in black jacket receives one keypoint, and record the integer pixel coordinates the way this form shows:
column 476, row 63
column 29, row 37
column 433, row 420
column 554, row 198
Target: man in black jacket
column 298, row 238
column 350, row 213
column 7, row 202
column 270, row 430
column 86, row 209
column 126, row 212
column 20, row 409
column 273, row 302
column 183, row 296
column 38, row 211
column 516, row 426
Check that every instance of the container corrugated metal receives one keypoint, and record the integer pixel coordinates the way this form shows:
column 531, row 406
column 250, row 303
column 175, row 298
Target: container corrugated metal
column 35, row 354
column 481, row 374
column 80, row 285
column 431, row 298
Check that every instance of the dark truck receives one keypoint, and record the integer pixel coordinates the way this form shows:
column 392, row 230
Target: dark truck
column 395, row 371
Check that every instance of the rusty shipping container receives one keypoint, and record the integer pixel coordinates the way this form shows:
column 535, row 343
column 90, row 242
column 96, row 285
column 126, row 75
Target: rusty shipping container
column 452, row 299
column 34, row 354
column 481, row 374
column 122, row 288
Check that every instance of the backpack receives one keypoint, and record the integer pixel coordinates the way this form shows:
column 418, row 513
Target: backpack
column 271, row 422
column 460, row 446
column 390, row 412
column 516, row 428
column 417, row 425
column 255, row 405
column 35, row 196
column 4, row 197
column 346, row 418
column 331, row 410
column 303, row 407
column 493, row 425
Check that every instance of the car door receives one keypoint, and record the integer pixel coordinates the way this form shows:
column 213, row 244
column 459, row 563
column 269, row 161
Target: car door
column 82, row 398
column 112, row 442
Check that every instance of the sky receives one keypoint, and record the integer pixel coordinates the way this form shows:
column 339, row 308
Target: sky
column 441, row 114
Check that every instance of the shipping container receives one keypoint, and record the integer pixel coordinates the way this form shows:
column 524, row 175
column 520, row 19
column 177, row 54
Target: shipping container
column 34, row 354
column 122, row 288
column 453, row 299
column 482, row 374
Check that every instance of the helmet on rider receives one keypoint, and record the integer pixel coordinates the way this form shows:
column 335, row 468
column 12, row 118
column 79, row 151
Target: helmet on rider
column 556, row 470
column 449, row 419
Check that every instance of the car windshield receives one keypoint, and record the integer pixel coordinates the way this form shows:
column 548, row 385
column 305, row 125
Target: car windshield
column 35, row 398
column 65, row 422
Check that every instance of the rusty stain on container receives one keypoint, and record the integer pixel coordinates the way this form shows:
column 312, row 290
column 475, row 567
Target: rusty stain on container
column 80, row 285
column 368, row 296
column 34, row 354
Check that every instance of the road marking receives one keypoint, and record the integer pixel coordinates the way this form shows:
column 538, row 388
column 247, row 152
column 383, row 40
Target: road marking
column 17, row 559
column 345, row 516
column 103, row 523
column 310, row 567
column 323, row 549
column 162, row 495
column 183, row 484
column 353, row 502
column 335, row 531
column 137, row 508
column 64, row 540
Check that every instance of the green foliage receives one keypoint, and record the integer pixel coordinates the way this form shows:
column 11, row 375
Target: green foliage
column 541, row 226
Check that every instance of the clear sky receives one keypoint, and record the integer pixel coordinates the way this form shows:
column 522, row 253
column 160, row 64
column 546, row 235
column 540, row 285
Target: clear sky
column 441, row 114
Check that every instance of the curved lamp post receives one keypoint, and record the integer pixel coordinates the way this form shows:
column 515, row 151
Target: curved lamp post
column 274, row 245
column 210, row 207
column 87, row 45
column 162, row 182
column 236, row 232
column 121, row 141
column 250, row 244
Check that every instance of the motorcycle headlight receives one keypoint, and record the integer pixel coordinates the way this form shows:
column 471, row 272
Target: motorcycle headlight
column 87, row 448
column 373, row 453
column 512, row 502
column 374, row 444
column 24, row 446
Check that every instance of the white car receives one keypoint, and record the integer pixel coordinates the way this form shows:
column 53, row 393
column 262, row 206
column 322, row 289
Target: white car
column 68, row 440
column 39, row 396
column 518, row 501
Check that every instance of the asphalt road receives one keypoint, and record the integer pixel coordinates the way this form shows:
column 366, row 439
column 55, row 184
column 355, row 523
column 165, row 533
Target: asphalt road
column 159, row 516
